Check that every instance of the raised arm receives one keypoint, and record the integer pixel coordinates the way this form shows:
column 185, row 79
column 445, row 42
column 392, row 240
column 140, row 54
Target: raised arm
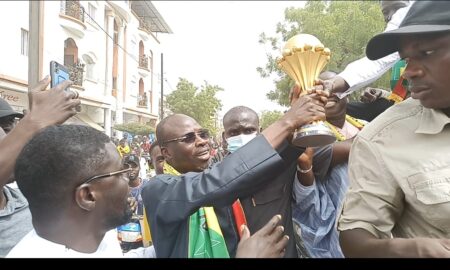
column 49, row 107
column 239, row 174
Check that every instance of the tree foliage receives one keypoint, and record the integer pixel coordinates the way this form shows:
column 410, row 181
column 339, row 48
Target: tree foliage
column 135, row 128
column 343, row 26
column 269, row 117
column 202, row 105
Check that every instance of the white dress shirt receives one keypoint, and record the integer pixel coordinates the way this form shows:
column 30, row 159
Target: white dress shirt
column 363, row 72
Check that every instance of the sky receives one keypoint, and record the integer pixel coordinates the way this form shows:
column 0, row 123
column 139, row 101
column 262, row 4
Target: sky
column 217, row 42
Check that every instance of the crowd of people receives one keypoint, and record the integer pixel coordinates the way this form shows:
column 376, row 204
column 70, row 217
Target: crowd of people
column 381, row 190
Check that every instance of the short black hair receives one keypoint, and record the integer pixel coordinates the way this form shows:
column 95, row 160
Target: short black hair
column 54, row 162
column 235, row 111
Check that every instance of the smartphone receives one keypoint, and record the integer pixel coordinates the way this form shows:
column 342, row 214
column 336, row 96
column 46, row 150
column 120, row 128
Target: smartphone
column 58, row 73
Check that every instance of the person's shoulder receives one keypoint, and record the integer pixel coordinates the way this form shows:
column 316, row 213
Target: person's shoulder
column 160, row 181
column 396, row 118
column 27, row 245
column 14, row 194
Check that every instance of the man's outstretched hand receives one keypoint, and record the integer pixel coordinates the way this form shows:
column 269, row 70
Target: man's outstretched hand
column 268, row 242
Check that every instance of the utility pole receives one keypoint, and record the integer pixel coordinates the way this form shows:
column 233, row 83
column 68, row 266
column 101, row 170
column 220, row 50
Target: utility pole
column 35, row 43
column 162, row 87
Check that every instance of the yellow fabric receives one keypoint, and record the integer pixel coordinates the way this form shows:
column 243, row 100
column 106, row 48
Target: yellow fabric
column 169, row 169
column 353, row 121
column 211, row 220
column 394, row 97
column 123, row 150
column 146, row 234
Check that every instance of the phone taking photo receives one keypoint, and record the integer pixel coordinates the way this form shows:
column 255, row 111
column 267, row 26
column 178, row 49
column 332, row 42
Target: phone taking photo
column 58, row 73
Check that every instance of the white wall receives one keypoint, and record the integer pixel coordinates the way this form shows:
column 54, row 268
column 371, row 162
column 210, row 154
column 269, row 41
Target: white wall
column 13, row 17
column 133, row 39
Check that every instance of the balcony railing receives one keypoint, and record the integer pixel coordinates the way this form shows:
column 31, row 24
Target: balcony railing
column 142, row 100
column 76, row 73
column 143, row 61
column 72, row 9
column 143, row 25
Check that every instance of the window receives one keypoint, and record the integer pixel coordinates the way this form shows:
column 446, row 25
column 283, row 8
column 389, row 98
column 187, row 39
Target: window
column 91, row 13
column 90, row 67
column 90, row 71
column 24, row 42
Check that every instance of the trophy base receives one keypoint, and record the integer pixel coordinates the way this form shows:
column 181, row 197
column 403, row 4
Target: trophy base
column 313, row 135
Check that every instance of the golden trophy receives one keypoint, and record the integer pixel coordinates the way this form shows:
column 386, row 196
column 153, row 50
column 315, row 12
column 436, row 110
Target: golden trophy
column 304, row 57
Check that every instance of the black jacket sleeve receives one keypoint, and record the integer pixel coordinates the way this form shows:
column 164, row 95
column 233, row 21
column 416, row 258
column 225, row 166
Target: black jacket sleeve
column 169, row 198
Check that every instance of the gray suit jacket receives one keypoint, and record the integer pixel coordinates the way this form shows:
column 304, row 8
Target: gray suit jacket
column 170, row 200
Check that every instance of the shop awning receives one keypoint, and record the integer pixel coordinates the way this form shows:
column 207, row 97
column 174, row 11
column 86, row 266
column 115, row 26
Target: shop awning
column 84, row 119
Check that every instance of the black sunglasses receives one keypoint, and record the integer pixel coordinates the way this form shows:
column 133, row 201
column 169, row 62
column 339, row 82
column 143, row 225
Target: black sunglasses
column 190, row 137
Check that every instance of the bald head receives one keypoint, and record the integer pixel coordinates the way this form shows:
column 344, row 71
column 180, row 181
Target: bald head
column 240, row 120
column 165, row 128
column 390, row 7
column 181, row 150
column 238, row 113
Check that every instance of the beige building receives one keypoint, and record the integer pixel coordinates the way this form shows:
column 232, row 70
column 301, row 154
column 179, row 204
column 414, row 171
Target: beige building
column 110, row 47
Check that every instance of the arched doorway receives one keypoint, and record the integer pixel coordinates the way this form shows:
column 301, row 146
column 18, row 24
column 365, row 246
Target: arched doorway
column 71, row 61
column 142, row 97
column 70, row 52
column 141, row 48
column 143, row 59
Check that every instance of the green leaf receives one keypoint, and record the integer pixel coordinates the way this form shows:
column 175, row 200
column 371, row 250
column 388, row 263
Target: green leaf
column 343, row 26
column 135, row 128
column 198, row 103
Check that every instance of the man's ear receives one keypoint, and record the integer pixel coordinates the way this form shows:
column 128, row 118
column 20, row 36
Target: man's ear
column 166, row 153
column 224, row 141
column 85, row 196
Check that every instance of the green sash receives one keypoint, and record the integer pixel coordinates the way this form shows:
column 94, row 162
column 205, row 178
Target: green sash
column 205, row 236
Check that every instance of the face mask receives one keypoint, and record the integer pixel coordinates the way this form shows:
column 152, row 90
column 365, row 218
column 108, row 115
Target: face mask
column 236, row 142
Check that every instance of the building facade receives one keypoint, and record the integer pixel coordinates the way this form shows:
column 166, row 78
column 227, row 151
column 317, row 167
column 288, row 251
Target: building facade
column 111, row 49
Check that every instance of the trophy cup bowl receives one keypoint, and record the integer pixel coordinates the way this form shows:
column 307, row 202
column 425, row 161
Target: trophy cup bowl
column 303, row 58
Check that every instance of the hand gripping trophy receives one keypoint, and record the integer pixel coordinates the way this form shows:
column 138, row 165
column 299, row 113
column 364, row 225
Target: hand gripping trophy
column 304, row 57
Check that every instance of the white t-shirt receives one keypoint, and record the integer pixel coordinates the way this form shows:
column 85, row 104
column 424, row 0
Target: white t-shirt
column 363, row 72
column 34, row 246
column 143, row 170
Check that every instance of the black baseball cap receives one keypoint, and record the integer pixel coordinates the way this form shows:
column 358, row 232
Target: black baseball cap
column 131, row 159
column 7, row 110
column 424, row 17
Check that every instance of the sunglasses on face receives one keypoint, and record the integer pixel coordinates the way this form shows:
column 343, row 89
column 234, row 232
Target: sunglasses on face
column 191, row 137
column 126, row 169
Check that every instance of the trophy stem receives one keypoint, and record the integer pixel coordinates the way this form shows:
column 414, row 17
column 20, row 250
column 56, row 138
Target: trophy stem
column 313, row 135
